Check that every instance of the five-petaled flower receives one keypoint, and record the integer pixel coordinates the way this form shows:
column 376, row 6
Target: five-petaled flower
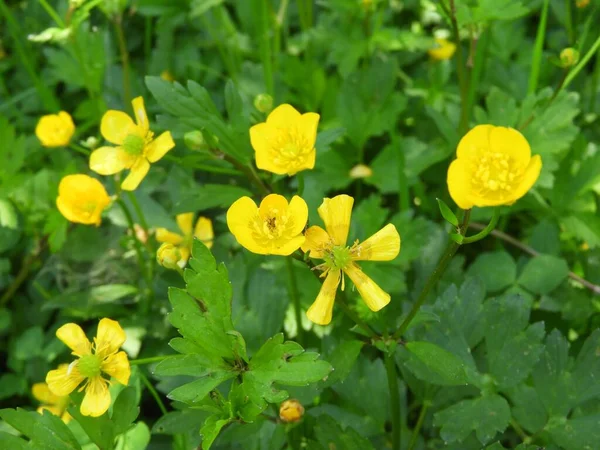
column 285, row 143
column 92, row 363
column 55, row 130
column 340, row 259
column 50, row 402
column 81, row 199
column 136, row 146
column 274, row 228
column 493, row 167
column 443, row 49
column 203, row 231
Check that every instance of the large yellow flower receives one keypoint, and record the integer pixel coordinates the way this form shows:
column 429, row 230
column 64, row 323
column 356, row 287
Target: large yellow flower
column 340, row 259
column 203, row 231
column 50, row 402
column 136, row 147
column 93, row 361
column 285, row 143
column 82, row 199
column 55, row 130
column 493, row 167
column 443, row 49
column 274, row 228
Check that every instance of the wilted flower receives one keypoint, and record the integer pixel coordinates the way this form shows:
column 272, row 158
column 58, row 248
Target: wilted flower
column 55, row 130
column 82, row 199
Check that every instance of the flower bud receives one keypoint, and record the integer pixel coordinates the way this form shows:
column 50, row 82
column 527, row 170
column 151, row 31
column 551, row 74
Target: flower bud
column 167, row 76
column 91, row 142
column 582, row 3
column 168, row 256
column 569, row 57
column 361, row 171
column 52, row 34
column 194, row 140
column 264, row 103
column 291, row 411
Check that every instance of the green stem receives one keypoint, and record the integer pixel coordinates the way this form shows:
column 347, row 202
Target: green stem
column 582, row 63
column 487, row 230
column 403, row 193
column 79, row 149
column 595, row 78
column 538, row 49
column 265, row 44
column 434, row 277
column 153, row 359
column 118, row 23
column 295, row 299
column 569, row 20
column 392, row 378
column 300, row 180
column 460, row 71
column 52, row 13
column 138, row 210
column 154, row 393
column 415, row 435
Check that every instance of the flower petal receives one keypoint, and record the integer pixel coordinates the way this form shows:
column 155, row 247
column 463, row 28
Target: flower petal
column 475, row 141
column 136, row 175
column 97, row 398
column 43, row 394
column 109, row 338
column 261, row 136
column 459, row 183
column 110, row 160
column 240, row 220
column 204, row 231
column 73, row 337
column 530, row 176
column 382, row 246
column 297, row 212
column 336, row 213
column 116, row 125
column 271, row 203
column 159, row 147
column 307, row 126
column 283, row 116
column 140, row 113
column 317, row 242
column 185, row 222
column 321, row 310
column 64, row 380
column 510, row 142
column 117, row 366
column 286, row 246
column 164, row 235
column 375, row 297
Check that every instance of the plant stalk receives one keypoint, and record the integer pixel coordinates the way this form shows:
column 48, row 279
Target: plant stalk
column 392, row 378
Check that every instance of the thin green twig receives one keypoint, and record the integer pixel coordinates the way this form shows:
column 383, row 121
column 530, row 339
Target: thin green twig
column 295, row 299
column 392, row 378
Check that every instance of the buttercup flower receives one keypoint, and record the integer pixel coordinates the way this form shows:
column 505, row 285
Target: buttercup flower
column 340, row 259
column 50, row 402
column 274, row 228
column 92, row 363
column 443, row 50
column 136, row 146
column 203, row 231
column 285, row 143
column 493, row 167
column 81, row 199
column 55, row 130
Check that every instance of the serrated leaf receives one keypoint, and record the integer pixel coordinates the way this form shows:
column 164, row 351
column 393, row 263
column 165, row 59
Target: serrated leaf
column 576, row 434
column 543, row 274
column 210, row 196
column 211, row 429
column 331, row 436
column 342, row 359
column 448, row 370
column 197, row 390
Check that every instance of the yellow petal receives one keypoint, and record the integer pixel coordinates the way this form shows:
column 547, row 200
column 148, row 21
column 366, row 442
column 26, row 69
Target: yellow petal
column 185, row 221
column 117, row 366
column 140, row 113
column 55, row 130
column 307, row 126
column 73, row 337
column 298, row 213
column 136, row 175
column 185, row 255
column 164, row 235
column 530, row 176
column 159, row 147
column 474, row 142
column 443, row 50
column 82, row 199
column 116, row 125
column 42, row 394
column 64, row 380
column 321, row 310
column 240, row 220
column 375, row 297
column 54, row 410
column 382, row 246
column 509, row 141
column 260, row 136
column 336, row 213
column 286, row 246
column 110, row 160
column 97, row 398
column 317, row 242
column 204, row 231
column 272, row 202
column 283, row 116
column 459, row 183
column 109, row 338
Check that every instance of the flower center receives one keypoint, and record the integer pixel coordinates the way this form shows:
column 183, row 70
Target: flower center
column 134, row 144
column 89, row 366
column 290, row 147
column 338, row 257
column 496, row 174
column 271, row 226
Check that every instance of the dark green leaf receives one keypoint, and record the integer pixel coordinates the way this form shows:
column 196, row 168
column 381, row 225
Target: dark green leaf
column 447, row 213
column 543, row 274
column 448, row 370
column 498, row 270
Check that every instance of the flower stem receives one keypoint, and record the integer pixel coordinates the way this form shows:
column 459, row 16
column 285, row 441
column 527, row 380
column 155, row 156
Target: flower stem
column 118, row 23
column 153, row 359
column 295, row 300
column 487, row 230
column 415, row 435
column 300, row 180
column 354, row 317
column 154, row 393
column 460, row 71
column 392, row 378
column 581, row 64
column 79, row 149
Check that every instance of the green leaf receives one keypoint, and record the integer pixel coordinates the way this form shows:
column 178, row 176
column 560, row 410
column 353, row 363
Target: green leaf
column 125, row 410
column 575, row 434
column 447, row 213
column 136, row 438
column 584, row 226
column 100, row 430
column 447, row 369
column 12, row 442
column 327, row 137
column 342, row 359
column 111, row 292
column 498, row 270
column 179, row 422
column 197, row 390
column 587, row 369
column 486, row 416
column 211, row 429
column 543, row 274
column 331, row 436
column 210, row 196
column 527, row 407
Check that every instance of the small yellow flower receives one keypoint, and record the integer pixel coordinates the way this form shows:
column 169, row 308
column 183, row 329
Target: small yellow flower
column 169, row 256
column 274, row 228
column 361, row 171
column 203, row 231
column 569, row 57
column 55, row 130
column 443, row 50
column 93, row 360
column 582, row 3
column 136, row 148
column 167, row 75
column 340, row 259
column 291, row 411
column 285, row 143
column 493, row 167
column 50, row 402
column 81, row 199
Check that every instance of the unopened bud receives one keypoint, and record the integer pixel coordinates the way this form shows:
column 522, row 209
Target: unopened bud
column 582, row 3
column 291, row 411
column 194, row 140
column 168, row 256
column 52, row 34
column 264, row 103
column 91, row 142
column 569, row 57
column 167, row 76
column 74, row 4
column 361, row 171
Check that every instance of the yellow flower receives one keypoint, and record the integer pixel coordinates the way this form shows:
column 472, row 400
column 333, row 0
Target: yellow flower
column 93, row 360
column 340, row 259
column 493, row 167
column 285, row 143
column 274, row 228
column 203, row 231
column 82, row 199
column 169, row 256
column 55, row 130
column 136, row 148
column 291, row 411
column 361, row 171
column 167, row 75
column 443, row 50
column 50, row 402
column 582, row 3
